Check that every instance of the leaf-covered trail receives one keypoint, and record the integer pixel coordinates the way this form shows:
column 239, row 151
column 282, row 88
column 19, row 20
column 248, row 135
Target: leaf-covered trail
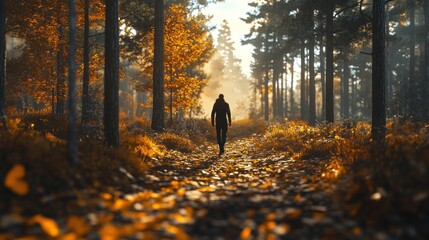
column 243, row 193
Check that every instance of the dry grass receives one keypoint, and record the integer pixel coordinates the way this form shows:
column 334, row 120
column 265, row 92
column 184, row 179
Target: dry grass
column 379, row 185
column 173, row 141
column 302, row 141
column 246, row 128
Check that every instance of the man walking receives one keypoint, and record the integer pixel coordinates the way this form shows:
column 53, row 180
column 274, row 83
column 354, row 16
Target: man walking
column 221, row 110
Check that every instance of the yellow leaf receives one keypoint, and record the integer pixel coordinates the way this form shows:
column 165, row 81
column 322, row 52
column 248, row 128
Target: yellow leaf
column 48, row 225
column 245, row 234
column 78, row 225
column 15, row 182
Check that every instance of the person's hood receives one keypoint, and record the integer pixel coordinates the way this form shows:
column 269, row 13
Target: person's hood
column 220, row 100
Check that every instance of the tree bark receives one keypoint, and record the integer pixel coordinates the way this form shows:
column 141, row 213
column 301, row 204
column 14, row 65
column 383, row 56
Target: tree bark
column 345, row 85
column 425, row 84
column 3, row 62
column 60, row 73
column 412, row 86
column 111, row 75
column 304, row 107
column 266, row 80
column 330, row 62
column 72, row 131
column 285, row 97
column 322, row 76
column 266, row 100
column 378, row 130
column 275, row 86
column 158, row 118
column 292, row 96
column 86, row 72
column 312, row 87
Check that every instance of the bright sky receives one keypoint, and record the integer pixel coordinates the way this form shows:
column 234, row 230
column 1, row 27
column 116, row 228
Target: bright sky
column 232, row 11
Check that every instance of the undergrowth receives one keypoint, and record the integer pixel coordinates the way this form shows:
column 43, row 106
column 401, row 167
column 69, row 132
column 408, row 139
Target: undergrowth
column 381, row 185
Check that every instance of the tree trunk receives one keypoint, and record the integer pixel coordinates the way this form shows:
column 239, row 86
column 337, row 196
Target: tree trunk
column 60, row 73
column 266, row 79
column 171, row 102
column 412, row 88
column 312, row 84
column 2, row 62
column 86, row 76
column 285, row 97
column 425, row 84
column 353, row 97
column 330, row 62
column 304, row 108
column 322, row 76
column 266, row 100
column 378, row 131
column 281, row 88
column 158, row 119
column 111, row 75
column 292, row 97
column 72, row 134
column 275, row 87
column 345, row 85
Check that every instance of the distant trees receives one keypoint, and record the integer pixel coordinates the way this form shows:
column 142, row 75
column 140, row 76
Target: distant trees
column 288, row 28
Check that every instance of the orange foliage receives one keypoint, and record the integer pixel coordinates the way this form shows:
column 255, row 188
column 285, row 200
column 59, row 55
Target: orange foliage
column 188, row 46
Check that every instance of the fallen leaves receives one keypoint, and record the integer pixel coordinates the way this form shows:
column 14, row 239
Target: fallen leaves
column 49, row 226
column 15, row 180
column 244, row 194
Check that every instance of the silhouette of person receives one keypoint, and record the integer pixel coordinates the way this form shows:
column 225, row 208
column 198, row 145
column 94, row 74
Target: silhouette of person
column 221, row 110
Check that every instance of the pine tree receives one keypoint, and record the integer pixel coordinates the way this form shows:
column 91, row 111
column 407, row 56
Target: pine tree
column 2, row 62
column 378, row 131
column 72, row 131
column 158, row 120
column 111, row 75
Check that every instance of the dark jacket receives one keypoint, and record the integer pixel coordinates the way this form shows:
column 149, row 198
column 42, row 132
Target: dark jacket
column 221, row 110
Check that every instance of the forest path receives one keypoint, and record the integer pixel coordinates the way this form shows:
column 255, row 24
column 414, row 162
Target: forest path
column 241, row 194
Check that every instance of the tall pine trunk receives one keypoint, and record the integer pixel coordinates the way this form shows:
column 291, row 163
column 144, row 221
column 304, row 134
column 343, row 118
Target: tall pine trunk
column 412, row 86
column 266, row 100
column 330, row 62
column 111, row 75
column 266, row 79
column 60, row 73
column 292, row 96
column 2, row 62
column 345, row 85
column 322, row 75
column 275, row 86
column 281, row 88
column 158, row 118
column 312, row 87
column 378, row 130
column 72, row 131
column 304, row 107
column 425, row 84
column 86, row 72
column 285, row 96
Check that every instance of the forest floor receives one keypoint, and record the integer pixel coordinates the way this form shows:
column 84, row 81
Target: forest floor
column 245, row 193
column 289, row 181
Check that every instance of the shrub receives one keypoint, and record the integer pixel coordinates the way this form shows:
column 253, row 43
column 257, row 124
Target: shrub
column 173, row 141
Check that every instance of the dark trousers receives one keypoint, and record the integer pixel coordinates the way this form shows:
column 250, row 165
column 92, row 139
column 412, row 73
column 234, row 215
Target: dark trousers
column 221, row 135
